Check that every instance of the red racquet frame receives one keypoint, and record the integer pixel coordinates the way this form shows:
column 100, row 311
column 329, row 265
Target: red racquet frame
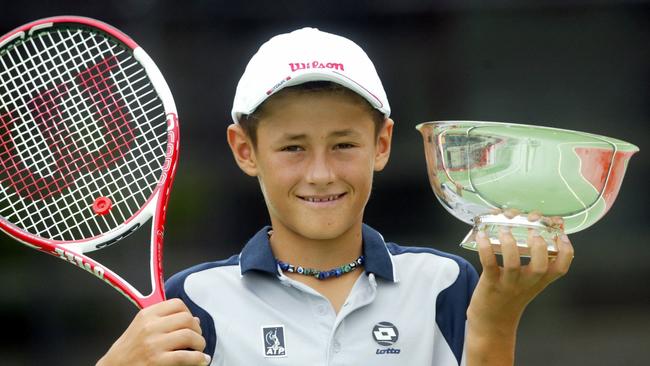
column 154, row 208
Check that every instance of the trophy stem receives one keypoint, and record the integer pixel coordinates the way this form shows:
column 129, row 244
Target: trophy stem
column 519, row 225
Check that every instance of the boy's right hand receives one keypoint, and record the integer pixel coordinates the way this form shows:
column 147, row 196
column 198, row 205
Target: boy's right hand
column 162, row 334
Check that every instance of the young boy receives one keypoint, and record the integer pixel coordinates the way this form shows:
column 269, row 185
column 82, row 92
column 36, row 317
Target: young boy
column 318, row 286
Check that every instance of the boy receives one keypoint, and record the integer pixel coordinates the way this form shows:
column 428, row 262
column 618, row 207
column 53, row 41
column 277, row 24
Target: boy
column 318, row 286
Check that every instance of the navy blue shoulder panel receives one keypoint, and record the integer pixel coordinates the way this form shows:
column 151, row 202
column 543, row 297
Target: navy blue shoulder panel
column 175, row 288
column 452, row 302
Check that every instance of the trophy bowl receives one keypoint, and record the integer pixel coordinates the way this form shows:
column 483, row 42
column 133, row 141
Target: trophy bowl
column 491, row 174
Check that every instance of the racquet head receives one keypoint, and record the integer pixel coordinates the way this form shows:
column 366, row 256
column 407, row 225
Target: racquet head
column 88, row 143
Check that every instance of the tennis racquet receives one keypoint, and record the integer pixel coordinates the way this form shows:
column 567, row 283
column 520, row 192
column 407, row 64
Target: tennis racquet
column 88, row 144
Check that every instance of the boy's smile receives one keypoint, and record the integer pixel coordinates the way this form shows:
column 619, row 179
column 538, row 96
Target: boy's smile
column 315, row 157
column 323, row 199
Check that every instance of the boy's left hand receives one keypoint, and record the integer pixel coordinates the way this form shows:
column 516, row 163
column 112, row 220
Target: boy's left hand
column 503, row 292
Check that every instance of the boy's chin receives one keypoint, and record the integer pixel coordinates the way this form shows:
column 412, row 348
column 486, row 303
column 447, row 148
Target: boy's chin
column 322, row 230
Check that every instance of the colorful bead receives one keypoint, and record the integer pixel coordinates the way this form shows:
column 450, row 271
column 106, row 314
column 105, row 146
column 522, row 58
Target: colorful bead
column 322, row 275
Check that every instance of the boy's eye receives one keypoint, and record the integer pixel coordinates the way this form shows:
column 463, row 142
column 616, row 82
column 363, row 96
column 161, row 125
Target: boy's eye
column 344, row 145
column 292, row 148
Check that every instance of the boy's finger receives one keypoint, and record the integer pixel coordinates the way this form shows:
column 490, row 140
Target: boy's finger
column 167, row 307
column 486, row 255
column 538, row 265
column 534, row 216
column 564, row 256
column 177, row 321
column 511, row 212
column 183, row 339
column 185, row 358
column 510, row 254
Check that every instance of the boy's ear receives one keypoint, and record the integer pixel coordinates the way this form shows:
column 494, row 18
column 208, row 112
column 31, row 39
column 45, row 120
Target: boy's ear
column 382, row 151
column 242, row 149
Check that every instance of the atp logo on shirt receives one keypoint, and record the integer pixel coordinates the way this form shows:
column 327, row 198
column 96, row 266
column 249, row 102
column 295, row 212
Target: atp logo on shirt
column 386, row 334
column 274, row 342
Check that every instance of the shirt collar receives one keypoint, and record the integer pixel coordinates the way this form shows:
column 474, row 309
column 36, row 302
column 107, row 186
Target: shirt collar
column 257, row 254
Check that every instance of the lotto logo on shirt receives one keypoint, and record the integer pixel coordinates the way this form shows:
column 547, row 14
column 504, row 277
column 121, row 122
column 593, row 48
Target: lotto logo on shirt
column 385, row 334
column 274, row 342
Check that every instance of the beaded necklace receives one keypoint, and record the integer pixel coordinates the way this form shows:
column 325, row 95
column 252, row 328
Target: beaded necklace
column 322, row 275
column 318, row 274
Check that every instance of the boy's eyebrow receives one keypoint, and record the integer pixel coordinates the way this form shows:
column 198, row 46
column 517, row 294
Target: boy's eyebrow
column 345, row 133
column 293, row 137
column 302, row 136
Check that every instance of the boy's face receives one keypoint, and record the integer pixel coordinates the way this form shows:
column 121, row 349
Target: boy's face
column 315, row 158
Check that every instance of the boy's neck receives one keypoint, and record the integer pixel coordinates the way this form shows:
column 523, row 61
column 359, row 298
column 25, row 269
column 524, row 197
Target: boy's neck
column 291, row 247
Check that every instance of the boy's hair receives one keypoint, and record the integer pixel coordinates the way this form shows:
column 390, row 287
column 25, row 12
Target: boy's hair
column 250, row 122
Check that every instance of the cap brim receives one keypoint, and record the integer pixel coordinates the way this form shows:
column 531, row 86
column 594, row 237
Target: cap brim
column 328, row 75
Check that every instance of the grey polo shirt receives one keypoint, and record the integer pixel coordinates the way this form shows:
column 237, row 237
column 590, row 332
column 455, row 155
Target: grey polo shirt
column 408, row 308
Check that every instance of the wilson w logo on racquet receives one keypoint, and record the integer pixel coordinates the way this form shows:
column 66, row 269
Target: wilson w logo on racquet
column 71, row 150
column 88, row 143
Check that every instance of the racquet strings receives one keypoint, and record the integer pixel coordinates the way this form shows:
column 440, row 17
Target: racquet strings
column 79, row 120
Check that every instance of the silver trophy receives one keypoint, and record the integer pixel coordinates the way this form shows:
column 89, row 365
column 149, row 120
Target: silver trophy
column 491, row 174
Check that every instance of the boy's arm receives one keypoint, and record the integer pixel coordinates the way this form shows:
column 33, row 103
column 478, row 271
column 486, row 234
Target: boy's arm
column 162, row 334
column 502, row 294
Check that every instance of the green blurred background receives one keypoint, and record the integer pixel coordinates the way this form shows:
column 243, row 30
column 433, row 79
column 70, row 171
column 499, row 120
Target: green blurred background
column 582, row 65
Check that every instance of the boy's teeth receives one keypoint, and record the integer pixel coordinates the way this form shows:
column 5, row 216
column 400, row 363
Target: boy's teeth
column 324, row 199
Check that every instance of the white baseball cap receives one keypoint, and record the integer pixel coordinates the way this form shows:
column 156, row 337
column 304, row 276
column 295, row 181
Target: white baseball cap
column 307, row 55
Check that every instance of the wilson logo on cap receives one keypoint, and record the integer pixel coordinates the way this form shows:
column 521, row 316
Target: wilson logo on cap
column 316, row 65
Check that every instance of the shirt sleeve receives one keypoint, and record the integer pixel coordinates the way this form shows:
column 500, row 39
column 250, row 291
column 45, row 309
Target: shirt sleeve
column 451, row 316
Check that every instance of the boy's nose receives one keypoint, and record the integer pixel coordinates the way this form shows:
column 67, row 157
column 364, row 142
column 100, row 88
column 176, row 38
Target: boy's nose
column 319, row 170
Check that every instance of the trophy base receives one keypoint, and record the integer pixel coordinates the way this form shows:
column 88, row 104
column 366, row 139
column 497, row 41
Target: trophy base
column 519, row 226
